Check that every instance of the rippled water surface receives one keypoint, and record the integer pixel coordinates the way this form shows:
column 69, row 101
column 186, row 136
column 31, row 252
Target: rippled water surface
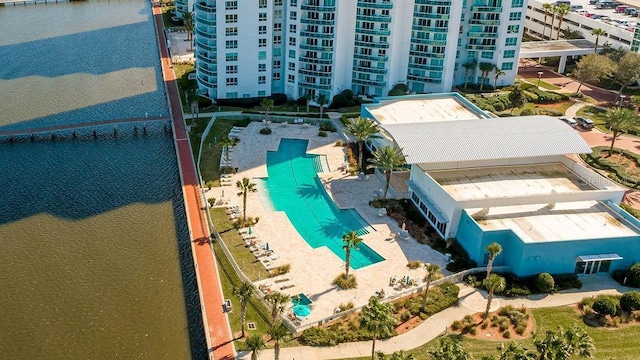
column 95, row 261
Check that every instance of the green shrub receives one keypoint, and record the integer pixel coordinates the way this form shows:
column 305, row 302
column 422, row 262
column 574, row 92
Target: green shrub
column 604, row 306
column 423, row 316
column 544, row 282
column 527, row 112
column 630, row 301
column 414, row 264
column 317, row 336
column 456, row 325
column 567, row 281
column 506, row 334
column 280, row 270
column 405, row 316
column 209, row 184
column 520, row 329
column 395, row 92
column 346, row 283
column 212, row 201
column 347, row 306
column 204, row 102
column 518, row 290
column 473, row 330
column 265, row 130
column 327, row 126
column 322, row 134
column 617, row 172
column 633, row 275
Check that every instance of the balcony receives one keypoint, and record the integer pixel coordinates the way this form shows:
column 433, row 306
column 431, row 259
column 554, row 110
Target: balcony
column 431, row 16
column 423, row 79
column 487, row 9
column 315, row 61
column 369, row 70
column 326, row 74
column 316, row 47
column 429, row 29
column 208, row 58
column 201, row 44
column 480, row 47
column 474, row 34
column 374, row 45
column 206, row 8
column 386, row 5
column 317, row 35
column 305, row 20
column 317, row 8
column 426, row 67
column 429, row 42
column 369, row 82
column 374, row 18
column 370, row 57
column 205, row 34
column 426, row 54
column 206, row 71
column 484, row 22
column 373, row 32
column 203, row 20
column 314, row 85
column 206, row 83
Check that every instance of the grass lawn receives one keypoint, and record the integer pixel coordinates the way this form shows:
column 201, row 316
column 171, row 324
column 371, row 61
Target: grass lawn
column 184, row 84
column 166, row 16
column 236, row 245
column 619, row 344
column 543, row 84
column 560, row 107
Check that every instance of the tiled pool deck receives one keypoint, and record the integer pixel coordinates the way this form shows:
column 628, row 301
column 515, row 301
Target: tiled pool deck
column 313, row 270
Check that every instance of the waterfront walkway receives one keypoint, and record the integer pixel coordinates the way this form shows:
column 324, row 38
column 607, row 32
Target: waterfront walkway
column 51, row 129
column 216, row 323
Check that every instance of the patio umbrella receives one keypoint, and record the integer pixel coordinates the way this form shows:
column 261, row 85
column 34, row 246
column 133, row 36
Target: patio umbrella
column 301, row 310
column 266, row 247
column 250, row 230
column 407, row 281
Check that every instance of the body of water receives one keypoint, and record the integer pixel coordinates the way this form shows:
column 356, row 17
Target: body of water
column 95, row 259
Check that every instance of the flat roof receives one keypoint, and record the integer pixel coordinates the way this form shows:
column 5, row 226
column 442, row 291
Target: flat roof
column 485, row 139
column 539, row 223
column 509, row 181
column 530, row 49
column 422, row 110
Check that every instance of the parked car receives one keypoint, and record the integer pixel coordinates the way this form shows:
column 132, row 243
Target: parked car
column 569, row 121
column 576, row 7
column 565, row 2
column 607, row 4
column 593, row 2
column 584, row 122
column 620, row 8
column 631, row 11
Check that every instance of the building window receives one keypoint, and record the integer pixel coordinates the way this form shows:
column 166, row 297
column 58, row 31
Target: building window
column 277, row 27
column 231, row 44
column 507, row 66
column 232, row 57
column 509, row 54
column 232, row 69
column 276, row 64
column 513, row 29
column 517, row 3
column 291, row 78
column 231, row 18
column 277, row 14
column 230, row 5
column 262, row 79
column 292, row 54
column 262, row 55
column 293, row 15
column 294, row 3
column 232, row 95
column 512, row 41
column 262, row 42
column 262, row 4
column 262, row 17
column 277, row 40
column 292, row 41
column 276, row 76
column 262, row 29
column 486, row 54
column 232, row 81
column 262, row 67
column 231, row 31
column 276, row 52
column 292, row 66
column 293, row 28
column 515, row 16
column 262, row 93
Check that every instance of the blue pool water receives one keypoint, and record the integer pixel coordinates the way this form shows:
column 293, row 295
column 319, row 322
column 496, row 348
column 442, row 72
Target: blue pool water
column 295, row 188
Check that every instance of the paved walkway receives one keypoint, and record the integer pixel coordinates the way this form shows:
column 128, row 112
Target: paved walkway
column 50, row 129
column 216, row 323
column 471, row 301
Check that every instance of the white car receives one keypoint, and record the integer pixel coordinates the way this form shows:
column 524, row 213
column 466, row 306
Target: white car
column 569, row 121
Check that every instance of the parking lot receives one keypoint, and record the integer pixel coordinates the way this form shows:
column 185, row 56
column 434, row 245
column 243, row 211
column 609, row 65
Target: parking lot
column 609, row 16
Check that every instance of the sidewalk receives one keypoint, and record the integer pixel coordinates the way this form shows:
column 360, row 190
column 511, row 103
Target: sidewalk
column 471, row 301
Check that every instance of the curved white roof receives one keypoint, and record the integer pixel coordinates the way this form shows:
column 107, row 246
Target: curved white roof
column 486, row 139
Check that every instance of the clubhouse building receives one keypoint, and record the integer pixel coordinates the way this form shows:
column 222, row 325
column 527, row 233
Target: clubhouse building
column 514, row 181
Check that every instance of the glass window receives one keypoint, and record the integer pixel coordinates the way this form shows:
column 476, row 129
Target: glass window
column 277, row 27
column 230, row 5
column 294, row 3
column 262, row 42
column 231, row 18
column 232, row 81
column 232, row 95
column 232, row 56
column 276, row 76
column 262, row 16
column 580, row 266
column 293, row 15
column 231, row 31
column 509, row 54
column 262, row 55
column 515, row 16
column 605, row 265
column 517, row 3
column 231, row 44
column 293, row 28
column 262, row 79
column 292, row 66
column 276, row 64
column 507, row 66
column 512, row 41
column 277, row 40
column 292, row 41
column 292, row 54
column 232, row 69
column 486, row 54
column 262, row 4
column 262, row 29
column 262, row 67
column 276, row 52
column 291, row 78
column 513, row 29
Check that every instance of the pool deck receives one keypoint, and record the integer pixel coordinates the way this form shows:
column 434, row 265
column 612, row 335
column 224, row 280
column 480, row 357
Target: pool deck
column 313, row 270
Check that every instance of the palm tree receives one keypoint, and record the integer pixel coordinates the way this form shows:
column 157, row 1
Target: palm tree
column 386, row 160
column 561, row 345
column 432, row 273
column 469, row 65
column 449, row 349
column 561, row 10
column 548, row 8
column 516, row 98
column 267, row 104
column 278, row 333
column 618, row 120
column 245, row 188
column 552, row 9
column 350, row 241
column 308, row 97
column 494, row 249
column 363, row 129
column 492, row 283
column 485, row 69
column 189, row 25
column 243, row 293
column 254, row 344
column 277, row 301
column 377, row 318
column 515, row 351
column 227, row 143
column 496, row 76
column 597, row 33
column 322, row 101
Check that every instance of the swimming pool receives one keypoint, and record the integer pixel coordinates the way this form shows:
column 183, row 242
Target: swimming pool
column 295, row 188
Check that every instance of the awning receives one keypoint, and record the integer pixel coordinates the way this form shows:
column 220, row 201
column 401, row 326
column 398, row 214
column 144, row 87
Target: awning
column 599, row 257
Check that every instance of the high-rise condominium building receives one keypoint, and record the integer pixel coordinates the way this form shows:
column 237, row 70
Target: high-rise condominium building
column 248, row 48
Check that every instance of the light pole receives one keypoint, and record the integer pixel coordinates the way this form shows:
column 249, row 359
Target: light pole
column 622, row 100
column 539, row 77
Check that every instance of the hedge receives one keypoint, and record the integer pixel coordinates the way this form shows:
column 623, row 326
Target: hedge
column 278, row 99
column 617, row 172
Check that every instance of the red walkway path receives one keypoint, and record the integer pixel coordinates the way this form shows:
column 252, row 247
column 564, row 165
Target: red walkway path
column 215, row 320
